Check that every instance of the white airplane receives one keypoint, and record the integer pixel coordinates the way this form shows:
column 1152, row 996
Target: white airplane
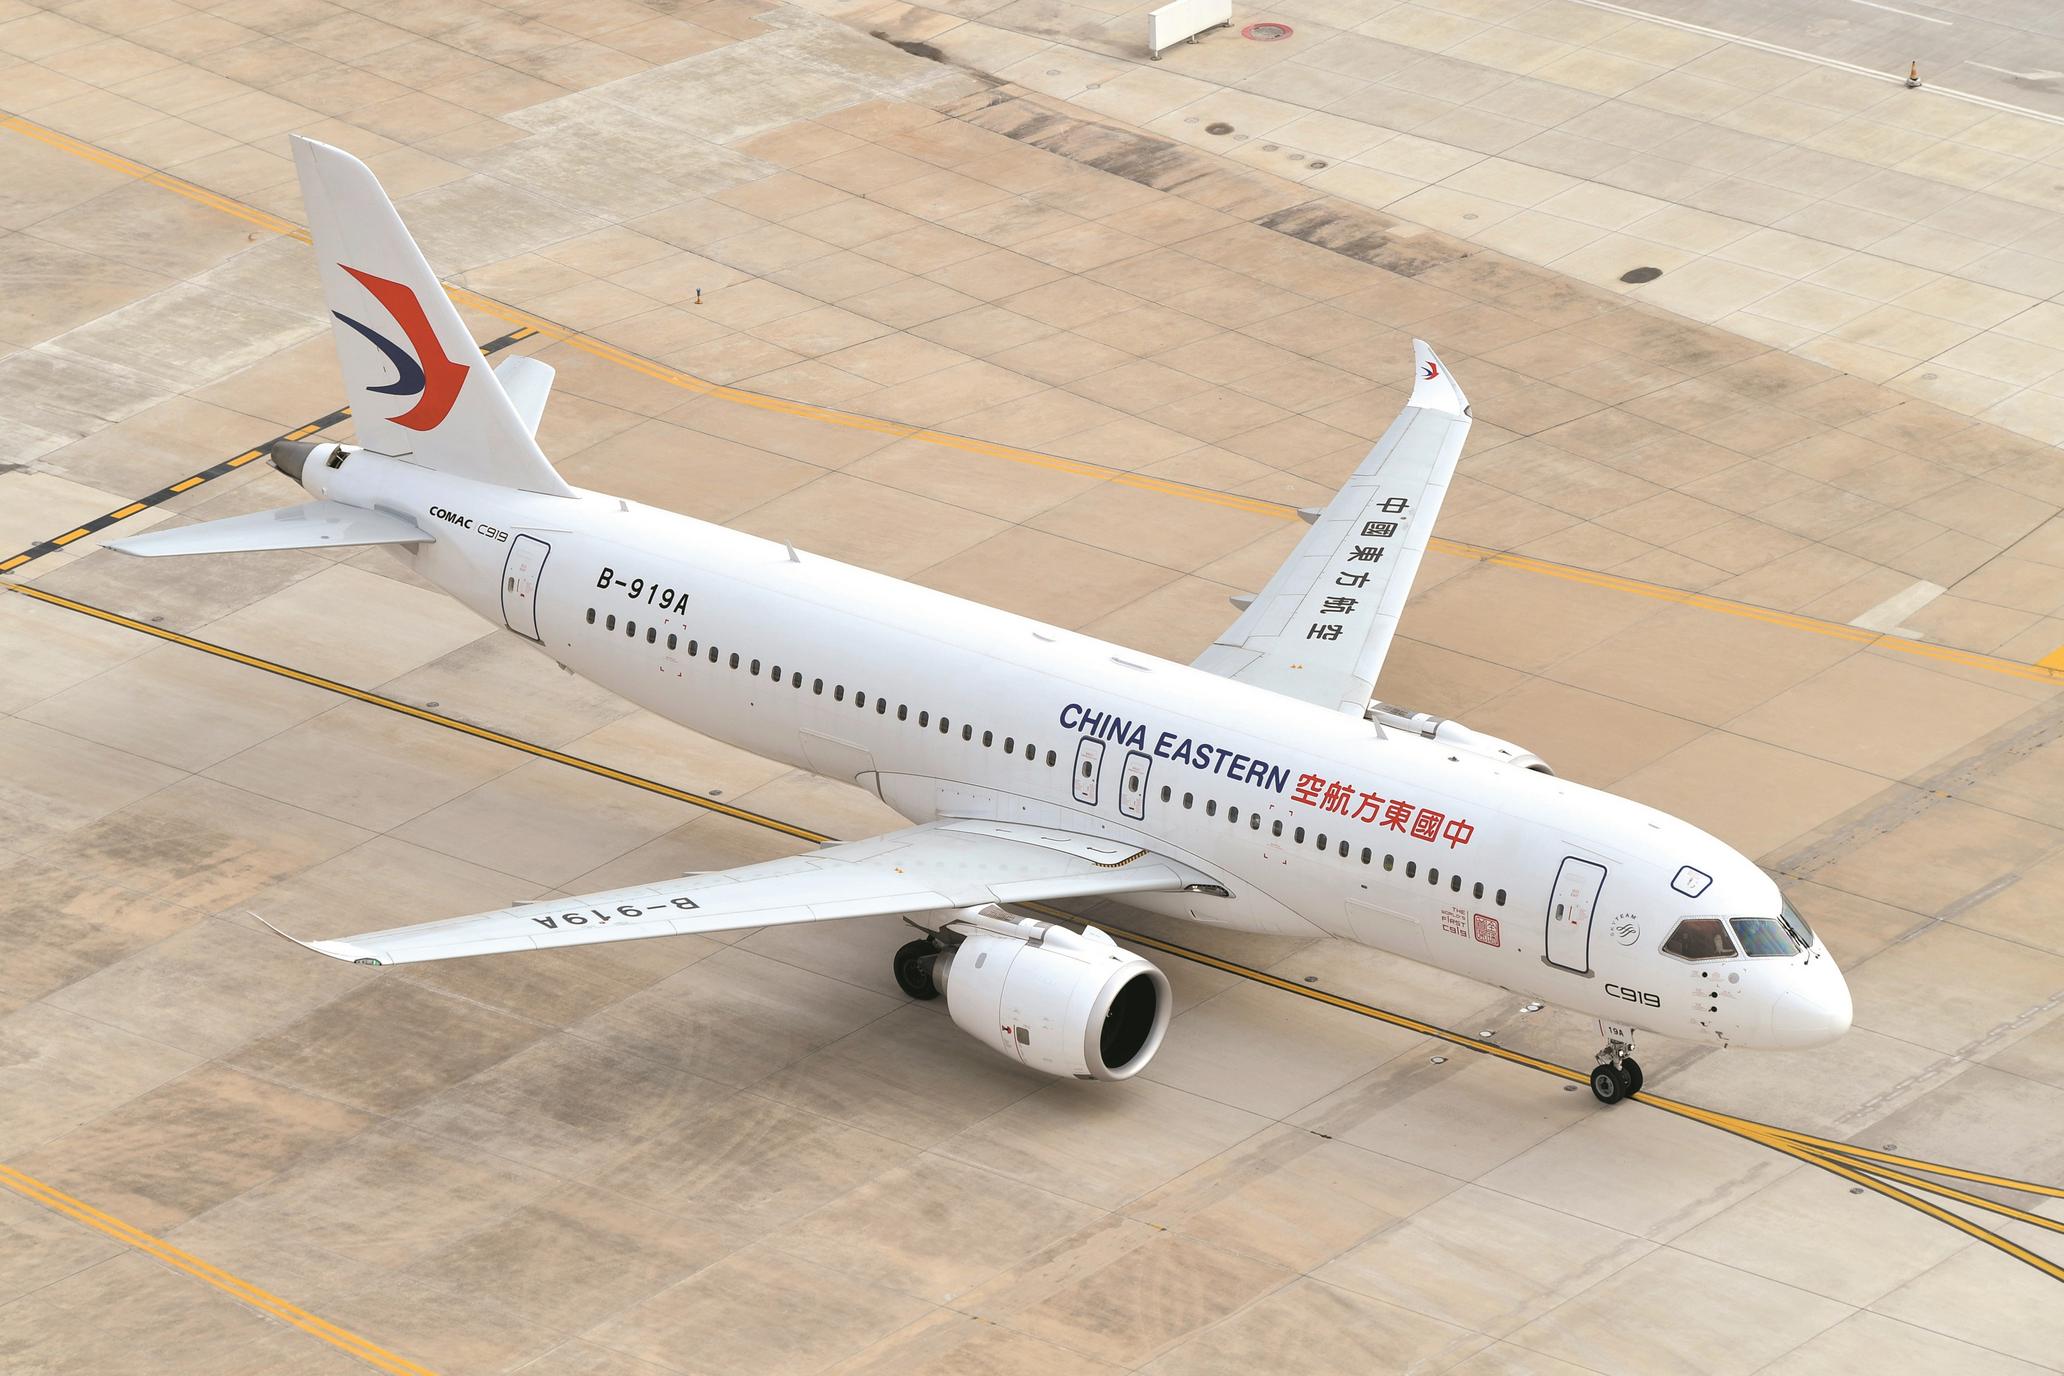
column 1260, row 788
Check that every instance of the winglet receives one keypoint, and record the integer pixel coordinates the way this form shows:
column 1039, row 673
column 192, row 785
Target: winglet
column 335, row 950
column 1432, row 388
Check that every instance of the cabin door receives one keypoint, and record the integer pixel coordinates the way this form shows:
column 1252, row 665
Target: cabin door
column 520, row 574
column 1570, row 909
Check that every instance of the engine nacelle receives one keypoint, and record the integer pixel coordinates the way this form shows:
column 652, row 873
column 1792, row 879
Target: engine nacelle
column 1061, row 1002
column 1455, row 734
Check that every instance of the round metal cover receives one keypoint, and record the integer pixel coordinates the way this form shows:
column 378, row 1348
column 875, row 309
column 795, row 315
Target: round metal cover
column 1268, row 31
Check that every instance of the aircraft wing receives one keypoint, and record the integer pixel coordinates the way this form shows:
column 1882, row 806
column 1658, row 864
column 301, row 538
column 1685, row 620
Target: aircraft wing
column 1320, row 628
column 931, row 868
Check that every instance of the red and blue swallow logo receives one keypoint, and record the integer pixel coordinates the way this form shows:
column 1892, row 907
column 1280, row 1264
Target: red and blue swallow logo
column 435, row 379
column 1429, row 371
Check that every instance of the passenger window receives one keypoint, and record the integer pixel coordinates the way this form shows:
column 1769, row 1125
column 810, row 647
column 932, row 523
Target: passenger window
column 967, row 733
column 1298, row 836
column 838, row 692
column 1432, row 875
column 1320, row 842
column 1343, row 850
column 1010, row 745
column 817, row 687
column 859, row 699
column 713, row 654
column 1366, row 854
column 1411, row 869
column 755, row 670
column 1166, row 793
column 673, row 642
column 1031, row 753
column 1454, row 883
column 1254, row 821
column 881, row 707
column 775, row 673
column 610, row 623
column 1211, row 807
column 1701, row 938
column 694, row 649
column 591, row 616
column 1479, row 890
column 652, row 635
column 945, row 726
column 1189, row 799
column 1050, row 757
column 1501, row 898
column 734, row 659
column 796, row 682
column 1389, row 862
column 1764, row 936
column 1232, row 814
column 988, row 739
column 924, row 718
column 630, row 628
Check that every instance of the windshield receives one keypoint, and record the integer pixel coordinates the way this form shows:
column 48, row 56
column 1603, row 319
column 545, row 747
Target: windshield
column 1766, row 936
column 1700, row 938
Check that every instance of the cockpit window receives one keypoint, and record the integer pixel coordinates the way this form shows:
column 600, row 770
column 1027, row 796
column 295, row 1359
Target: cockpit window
column 1700, row 938
column 1766, row 936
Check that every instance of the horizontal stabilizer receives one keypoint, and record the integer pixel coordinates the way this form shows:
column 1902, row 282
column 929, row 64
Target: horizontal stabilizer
column 312, row 525
column 528, row 381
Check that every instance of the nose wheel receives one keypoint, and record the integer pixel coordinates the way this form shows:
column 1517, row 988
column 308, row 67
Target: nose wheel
column 1617, row 1075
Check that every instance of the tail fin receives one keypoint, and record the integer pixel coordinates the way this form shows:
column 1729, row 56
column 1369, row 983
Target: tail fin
column 417, row 383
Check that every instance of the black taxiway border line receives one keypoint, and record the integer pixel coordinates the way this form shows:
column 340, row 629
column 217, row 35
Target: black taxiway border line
column 1842, row 1159
column 209, row 474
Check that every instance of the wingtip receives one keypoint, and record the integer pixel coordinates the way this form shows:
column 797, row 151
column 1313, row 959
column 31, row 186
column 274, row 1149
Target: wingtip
column 1433, row 388
column 335, row 950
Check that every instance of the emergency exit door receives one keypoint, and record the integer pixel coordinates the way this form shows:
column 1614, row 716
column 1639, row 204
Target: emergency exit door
column 1570, row 909
column 1089, row 762
column 526, row 564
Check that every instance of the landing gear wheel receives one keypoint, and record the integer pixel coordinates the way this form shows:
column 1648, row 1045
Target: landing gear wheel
column 1630, row 1070
column 913, row 966
column 1608, row 1084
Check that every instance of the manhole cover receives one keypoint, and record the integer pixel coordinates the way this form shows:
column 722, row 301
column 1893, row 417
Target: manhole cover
column 1641, row 274
column 1267, row 32
column 1219, row 128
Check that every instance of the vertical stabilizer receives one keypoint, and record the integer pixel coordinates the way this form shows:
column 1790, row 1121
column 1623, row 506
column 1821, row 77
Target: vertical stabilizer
column 417, row 383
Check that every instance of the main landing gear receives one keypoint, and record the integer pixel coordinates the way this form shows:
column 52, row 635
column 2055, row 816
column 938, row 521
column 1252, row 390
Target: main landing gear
column 1617, row 1075
column 913, row 965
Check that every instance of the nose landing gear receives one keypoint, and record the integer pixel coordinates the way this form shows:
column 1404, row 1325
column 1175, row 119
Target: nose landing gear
column 1617, row 1075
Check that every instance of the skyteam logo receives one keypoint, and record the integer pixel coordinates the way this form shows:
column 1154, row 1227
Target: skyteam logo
column 435, row 378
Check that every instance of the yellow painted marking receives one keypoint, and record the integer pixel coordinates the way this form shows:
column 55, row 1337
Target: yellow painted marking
column 240, row 460
column 185, row 483
column 240, row 1290
column 14, row 563
column 126, row 512
column 69, row 536
column 543, row 752
column 2049, row 670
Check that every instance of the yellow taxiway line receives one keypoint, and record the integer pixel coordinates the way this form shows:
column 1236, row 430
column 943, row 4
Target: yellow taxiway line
column 2048, row 670
column 264, row 1301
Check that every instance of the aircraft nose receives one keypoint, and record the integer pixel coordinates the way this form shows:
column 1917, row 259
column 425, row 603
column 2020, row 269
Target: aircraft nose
column 1815, row 1013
